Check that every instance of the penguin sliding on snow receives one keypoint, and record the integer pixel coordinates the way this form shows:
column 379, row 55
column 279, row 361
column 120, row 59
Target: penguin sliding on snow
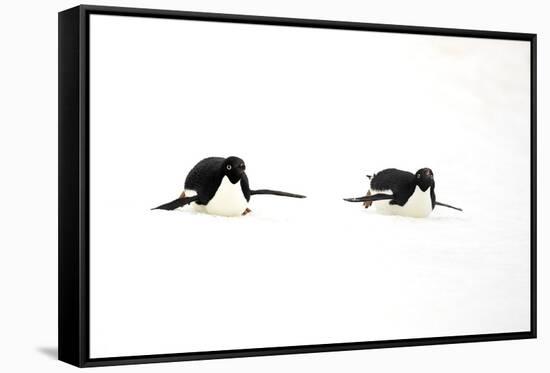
column 219, row 186
column 399, row 192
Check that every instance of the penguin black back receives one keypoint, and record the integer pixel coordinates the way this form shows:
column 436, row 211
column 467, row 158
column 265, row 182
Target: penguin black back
column 393, row 179
column 205, row 178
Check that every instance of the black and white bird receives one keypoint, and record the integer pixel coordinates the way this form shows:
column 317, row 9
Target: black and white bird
column 219, row 186
column 398, row 192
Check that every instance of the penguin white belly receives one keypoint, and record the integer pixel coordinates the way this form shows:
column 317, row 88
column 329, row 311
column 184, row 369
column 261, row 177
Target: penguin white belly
column 419, row 204
column 228, row 201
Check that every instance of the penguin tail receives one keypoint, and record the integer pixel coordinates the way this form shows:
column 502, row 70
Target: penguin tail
column 449, row 206
column 370, row 198
column 179, row 202
column 276, row 193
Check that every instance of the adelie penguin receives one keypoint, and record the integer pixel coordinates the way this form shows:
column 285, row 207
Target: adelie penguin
column 219, row 186
column 400, row 192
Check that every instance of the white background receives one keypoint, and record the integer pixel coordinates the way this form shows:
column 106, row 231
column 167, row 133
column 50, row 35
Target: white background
column 29, row 190
column 310, row 111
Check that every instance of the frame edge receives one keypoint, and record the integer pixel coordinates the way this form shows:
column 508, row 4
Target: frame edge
column 304, row 22
column 70, row 265
column 533, row 103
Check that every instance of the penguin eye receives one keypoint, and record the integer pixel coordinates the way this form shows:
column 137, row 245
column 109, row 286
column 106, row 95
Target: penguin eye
column 228, row 167
column 418, row 176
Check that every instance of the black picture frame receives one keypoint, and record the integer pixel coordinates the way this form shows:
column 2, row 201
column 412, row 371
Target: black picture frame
column 73, row 248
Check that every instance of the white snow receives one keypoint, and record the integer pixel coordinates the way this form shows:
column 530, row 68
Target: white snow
column 315, row 270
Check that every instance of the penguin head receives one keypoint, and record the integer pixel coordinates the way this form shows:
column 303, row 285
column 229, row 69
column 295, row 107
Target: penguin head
column 424, row 178
column 233, row 168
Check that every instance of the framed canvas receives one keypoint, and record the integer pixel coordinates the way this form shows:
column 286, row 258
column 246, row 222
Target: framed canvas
column 235, row 186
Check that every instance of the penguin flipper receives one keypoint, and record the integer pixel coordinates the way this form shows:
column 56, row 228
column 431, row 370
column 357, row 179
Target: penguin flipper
column 179, row 202
column 449, row 206
column 370, row 198
column 276, row 193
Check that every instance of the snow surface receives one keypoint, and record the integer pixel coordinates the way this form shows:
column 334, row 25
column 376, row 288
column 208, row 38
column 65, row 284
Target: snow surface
column 310, row 112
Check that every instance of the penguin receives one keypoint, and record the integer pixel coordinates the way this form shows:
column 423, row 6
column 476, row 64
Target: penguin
column 398, row 192
column 219, row 186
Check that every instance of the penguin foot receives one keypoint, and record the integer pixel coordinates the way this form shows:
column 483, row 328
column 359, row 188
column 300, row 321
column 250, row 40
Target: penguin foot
column 247, row 211
column 367, row 203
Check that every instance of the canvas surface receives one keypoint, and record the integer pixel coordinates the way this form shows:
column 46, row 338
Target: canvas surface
column 312, row 112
